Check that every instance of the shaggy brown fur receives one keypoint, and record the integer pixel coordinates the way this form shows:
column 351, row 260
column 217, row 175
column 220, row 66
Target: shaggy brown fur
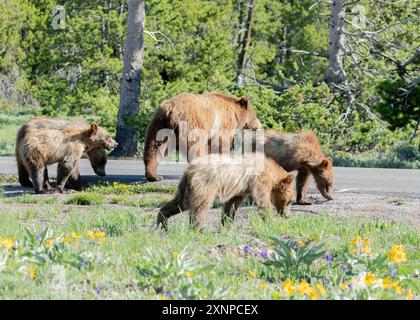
column 50, row 141
column 229, row 180
column 97, row 156
column 208, row 111
column 302, row 152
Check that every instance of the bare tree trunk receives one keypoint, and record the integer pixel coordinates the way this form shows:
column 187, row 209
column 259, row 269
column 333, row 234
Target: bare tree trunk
column 240, row 22
column 335, row 72
column 130, row 82
column 245, row 45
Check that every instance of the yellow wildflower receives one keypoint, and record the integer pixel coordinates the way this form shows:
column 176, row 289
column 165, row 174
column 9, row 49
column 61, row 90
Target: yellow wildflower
column 410, row 295
column 252, row 274
column 397, row 287
column 263, row 286
column 366, row 246
column 31, row 272
column 397, row 254
column 49, row 243
column 301, row 243
column 91, row 234
column 101, row 237
column 289, row 287
column 356, row 240
column 7, row 243
column 360, row 245
column 369, row 279
column 386, row 283
column 65, row 240
column 75, row 235
column 162, row 297
column 277, row 295
column 344, row 285
column 100, row 234
column 190, row 274
column 321, row 289
column 303, row 287
column 176, row 255
column 312, row 293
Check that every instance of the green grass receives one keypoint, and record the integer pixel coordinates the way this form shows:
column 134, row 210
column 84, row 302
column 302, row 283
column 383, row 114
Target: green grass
column 9, row 126
column 86, row 199
column 136, row 261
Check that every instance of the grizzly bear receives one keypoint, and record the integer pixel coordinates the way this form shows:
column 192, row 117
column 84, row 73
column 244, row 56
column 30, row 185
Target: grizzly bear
column 215, row 114
column 230, row 180
column 42, row 145
column 97, row 156
column 302, row 152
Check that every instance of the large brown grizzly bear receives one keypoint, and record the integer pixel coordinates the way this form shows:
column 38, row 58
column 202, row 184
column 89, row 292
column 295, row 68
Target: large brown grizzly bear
column 97, row 156
column 302, row 152
column 230, row 180
column 40, row 146
column 218, row 115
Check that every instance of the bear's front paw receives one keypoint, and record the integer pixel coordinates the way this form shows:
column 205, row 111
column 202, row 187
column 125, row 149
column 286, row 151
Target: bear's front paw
column 154, row 178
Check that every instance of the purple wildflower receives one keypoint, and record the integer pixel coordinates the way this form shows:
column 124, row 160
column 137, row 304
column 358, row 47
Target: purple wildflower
column 343, row 267
column 264, row 253
column 97, row 290
column 246, row 249
column 168, row 294
column 82, row 263
column 393, row 272
column 329, row 259
column 38, row 237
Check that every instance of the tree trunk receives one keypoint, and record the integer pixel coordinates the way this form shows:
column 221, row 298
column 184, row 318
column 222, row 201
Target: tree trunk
column 335, row 72
column 245, row 45
column 130, row 82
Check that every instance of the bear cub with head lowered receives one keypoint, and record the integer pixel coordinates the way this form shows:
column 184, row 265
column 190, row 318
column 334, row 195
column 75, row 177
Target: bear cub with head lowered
column 230, row 180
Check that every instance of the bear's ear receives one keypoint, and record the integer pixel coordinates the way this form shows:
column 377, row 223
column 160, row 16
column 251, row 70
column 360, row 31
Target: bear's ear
column 330, row 160
column 243, row 101
column 288, row 179
column 93, row 129
column 325, row 163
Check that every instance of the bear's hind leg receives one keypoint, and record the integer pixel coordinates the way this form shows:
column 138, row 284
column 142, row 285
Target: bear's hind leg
column 198, row 214
column 24, row 176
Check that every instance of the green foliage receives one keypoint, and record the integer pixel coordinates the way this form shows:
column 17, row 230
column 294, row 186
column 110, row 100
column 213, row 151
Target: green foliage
column 175, row 275
column 86, row 199
column 294, row 260
column 398, row 105
column 194, row 46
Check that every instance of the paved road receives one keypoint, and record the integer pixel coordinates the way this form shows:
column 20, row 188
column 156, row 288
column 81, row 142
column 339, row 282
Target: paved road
column 357, row 180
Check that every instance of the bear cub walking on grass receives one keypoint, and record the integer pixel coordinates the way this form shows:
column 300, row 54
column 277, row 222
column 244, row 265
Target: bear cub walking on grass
column 39, row 146
column 230, row 180
column 97, row 156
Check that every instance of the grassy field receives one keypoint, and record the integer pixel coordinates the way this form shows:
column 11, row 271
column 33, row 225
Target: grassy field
column 103, row 244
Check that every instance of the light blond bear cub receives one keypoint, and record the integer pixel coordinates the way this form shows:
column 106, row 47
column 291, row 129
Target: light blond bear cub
column 229, row 180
